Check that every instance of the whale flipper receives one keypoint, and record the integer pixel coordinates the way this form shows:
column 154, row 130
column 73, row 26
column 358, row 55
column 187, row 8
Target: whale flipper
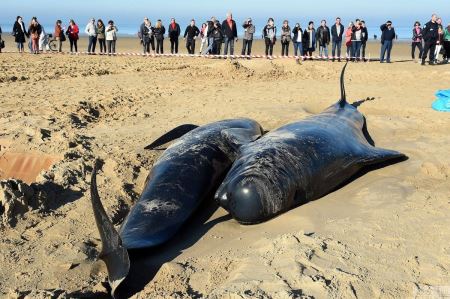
column 113, row 253
column 238, row 137
column 171, row 135
column 375, row 155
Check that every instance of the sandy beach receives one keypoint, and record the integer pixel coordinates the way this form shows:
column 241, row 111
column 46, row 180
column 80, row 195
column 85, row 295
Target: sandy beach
column 384, row 235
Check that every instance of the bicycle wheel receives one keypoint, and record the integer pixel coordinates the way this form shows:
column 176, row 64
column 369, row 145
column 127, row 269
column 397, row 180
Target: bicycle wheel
column 53, row 45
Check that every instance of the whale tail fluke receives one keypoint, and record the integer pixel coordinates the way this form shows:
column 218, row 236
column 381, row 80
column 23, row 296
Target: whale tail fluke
column 113, row 253
column 343, row 99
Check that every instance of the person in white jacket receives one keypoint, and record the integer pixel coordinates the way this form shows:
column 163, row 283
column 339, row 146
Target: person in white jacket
column 111, row 38
column 91, row 31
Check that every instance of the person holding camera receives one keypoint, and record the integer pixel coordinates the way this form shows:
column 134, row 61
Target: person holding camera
column 111, row 37
column 323, row 38
column 430, row 36
column 190, row 34
column 387, row 38
column 249, row 31
column 270, row 37
column 285, row 38
column 298, row 40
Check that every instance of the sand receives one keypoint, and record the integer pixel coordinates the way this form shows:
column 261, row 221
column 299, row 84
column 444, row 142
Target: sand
column 383, row 235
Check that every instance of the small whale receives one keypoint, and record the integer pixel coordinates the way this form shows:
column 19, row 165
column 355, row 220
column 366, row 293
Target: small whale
column 187, row 173
column 300, row 162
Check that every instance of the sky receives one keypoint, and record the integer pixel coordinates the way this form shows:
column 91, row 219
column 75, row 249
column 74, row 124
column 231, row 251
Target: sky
column 401, row 12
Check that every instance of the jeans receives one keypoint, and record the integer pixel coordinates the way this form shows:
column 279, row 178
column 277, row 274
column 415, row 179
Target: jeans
column 247, row 46
column 323, row 50
column 210, row 45
column 269, row 46
column 190, row 46
column 229, row 42
column 447, row 49
column 298, row 49
column 285, row 49
column 111, row 46
column 336, row 45
column 173, row 46
column 386, row 49
column 102, row 43
column 159, row 46
column 363, row 50
column 413, row 49
column 20, row 47
column 356, row 50
column 73, row 44
column 92, row 44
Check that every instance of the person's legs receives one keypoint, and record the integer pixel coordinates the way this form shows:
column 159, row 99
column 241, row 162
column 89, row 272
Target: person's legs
column 89, row 44
column 295, row 48
column 193, row 46
column 267, row 46
column 383, row 51
column 244, row 45
column 333, row 49
column 271, row 49
column 339, row 46
column 425, row 52
column 326, row 50
column 75, row 44
column 419, row 45
column 114, row 46
column 353, row 53
column 413, row 50
column 225, row 50
column 363, row 50
column 108, row 47
column 71, row 44
column 231, row 46
column 172, row 45
column 389, row 48
column 94, row 44
column 437, row 52
column 447, row 50
column 249, row 47
column 358, row 50
column 176, row 46
column 432, row 50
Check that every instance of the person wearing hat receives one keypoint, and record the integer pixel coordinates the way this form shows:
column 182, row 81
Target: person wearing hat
column 387, row 38
column 111, row 38
column 249, row 31
column 91, row 31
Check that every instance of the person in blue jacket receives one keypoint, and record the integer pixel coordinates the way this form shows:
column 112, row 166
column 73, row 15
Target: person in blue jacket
column 387, row 39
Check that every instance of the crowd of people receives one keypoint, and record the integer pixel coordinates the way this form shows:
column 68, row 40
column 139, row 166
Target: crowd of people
column 213, row 35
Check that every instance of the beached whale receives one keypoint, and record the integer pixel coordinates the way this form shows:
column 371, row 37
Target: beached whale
column 299, row 162
column 188, row 172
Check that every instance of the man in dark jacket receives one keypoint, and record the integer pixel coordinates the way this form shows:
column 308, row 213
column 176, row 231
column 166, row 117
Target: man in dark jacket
column 337, row 31
column 387, row 38
column 190, row 34
column 174, row 34
column 430, row 36
column 229, row 31
column 323, row 38
column 364, row 39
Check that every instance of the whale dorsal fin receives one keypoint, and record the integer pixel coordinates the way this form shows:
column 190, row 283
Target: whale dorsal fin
column 238, row 137
column 343, row 100
column 375, row 155
column 171, row 135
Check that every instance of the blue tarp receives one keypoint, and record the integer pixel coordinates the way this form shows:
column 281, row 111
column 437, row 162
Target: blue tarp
column 443, row 101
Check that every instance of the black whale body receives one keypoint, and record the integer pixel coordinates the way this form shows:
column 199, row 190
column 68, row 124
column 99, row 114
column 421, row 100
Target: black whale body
column 298, row 163
column 187, row 173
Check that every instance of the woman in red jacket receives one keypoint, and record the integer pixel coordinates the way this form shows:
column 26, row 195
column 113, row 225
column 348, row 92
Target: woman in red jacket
column 72, row 32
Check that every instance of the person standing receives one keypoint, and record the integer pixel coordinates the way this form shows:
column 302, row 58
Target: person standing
column 230, row 33
column 365, row 38
column 247, row 41
column 91, row 31
column 145, row 32
column 430, row 36
column 101, row 36
column 20, row 33
column 159, row 32
column 34, row 31
column 357, row 36
column 440, row 40
column 190, row 34
column 387, row 39
column 174, row 34
column 298, row 40
column 309, row 39
column 72, row 32
column 203, row 37
column 2, row 43
column 111, row 37
column 348, row 40
column 217, row 36
column 269, row 35
column 209, row 29
column 285, row 38
column 416, row 40
column 323, row 38
column 337, row 32
column 59, row 35
column 447, row 43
